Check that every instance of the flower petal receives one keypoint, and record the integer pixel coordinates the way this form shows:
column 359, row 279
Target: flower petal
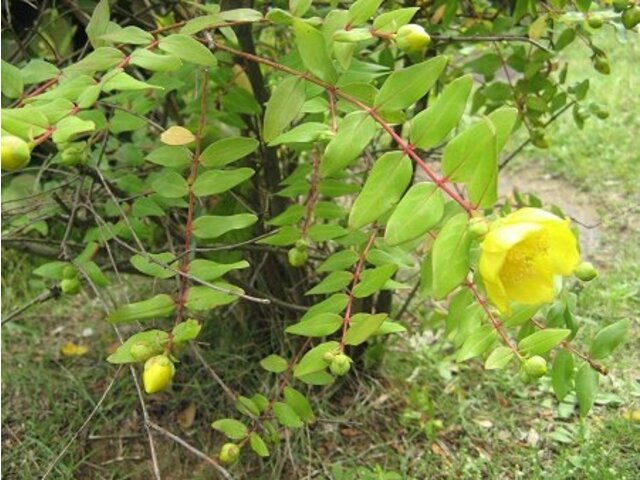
column 505, row 236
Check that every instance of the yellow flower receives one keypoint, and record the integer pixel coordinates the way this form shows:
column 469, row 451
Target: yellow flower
column 523, row 253
column 70, row 349
column 158, row 373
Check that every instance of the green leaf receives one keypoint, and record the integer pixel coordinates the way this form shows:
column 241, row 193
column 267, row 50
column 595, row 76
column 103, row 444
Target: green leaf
column 333, row 282
column 70, row 127
column 101, row 59
column 246, row 406
column 283, row 106
column 208, row 270
column 362, row 326
column 274, row 363
column 287, row 235
column 187, row 330
column 498, row 359
column 450, row 255
column 258, row 445
column 389, row 22
column 362, row 10
column 477, row 343
column 154, row 61
column 562, row 374
column 241, row 15
column 336, row 303
column 37, row 71
column 405, row 87
column 586, row 388
column 170, row 156
column 354, row 133
column 131, row 35
column 24, row 122
column 384, row 186
column 314, row 51
column 609, row 338
column 11, row 81
column 98, row 23
column 304, row 133
column 227, row 150
column 148, row 267
column 520, row 314
column 542, row 341
column 170, row 184
column 313, row 360
column 217, row 181
column 160, row 306
column 338, row 261
column 145, row 207
column 318, row 326
column 124, row 82
column 420, row 210
column 287, row 416
column 325, row 232
column 188, row 49
column 372, row 280
column 202, row 297
column 317, row 378
column 154, row 339
column 299, row 403
column 213, row 226
column 52, row 270
column 292, row 215
column 204, row 22
column 432, row 125
column 233, row 429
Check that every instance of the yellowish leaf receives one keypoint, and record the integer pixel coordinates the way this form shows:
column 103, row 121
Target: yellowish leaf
column 177, row 136
column 70, row 349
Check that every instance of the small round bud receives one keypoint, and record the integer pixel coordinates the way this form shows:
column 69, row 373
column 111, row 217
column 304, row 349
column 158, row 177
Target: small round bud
column 620, row 5
column 412, row 38
column 586, row 272
column 297, row 257
column 69, row 272
column 535, row 367
column 16, row 153
column 141, row 351
column 601, row 64
column 538, row 139
column 229, row 453
column 340, row 365
column 602, row 114
column 479, row 226
column 70, row 286
column 595, row 22
column 302, row 244
column 631, row 17
column 73, row 154
column 158, row 373
column 329, row 356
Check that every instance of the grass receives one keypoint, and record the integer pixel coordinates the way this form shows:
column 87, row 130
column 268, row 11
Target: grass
column 425, row 417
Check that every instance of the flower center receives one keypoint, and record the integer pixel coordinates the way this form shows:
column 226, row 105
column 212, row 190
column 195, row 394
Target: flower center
column 526, row 259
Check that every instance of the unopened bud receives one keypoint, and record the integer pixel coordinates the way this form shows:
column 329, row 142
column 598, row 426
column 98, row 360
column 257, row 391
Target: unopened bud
column 478, row 226
column 601, row 64
column 229, row 453
column 595, row 22
column 412, row 38
column 141, row 351
column 158, row 373
column 586, row 272
column 535, row 367
column 297, row 257
column 340, row 365
column 329, row 356
column 70, row 286
column 631, row 17
column 69, row 272
column 16, row 153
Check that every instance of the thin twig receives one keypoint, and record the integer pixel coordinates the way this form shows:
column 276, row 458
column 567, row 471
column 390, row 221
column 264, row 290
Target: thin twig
column 53, row 292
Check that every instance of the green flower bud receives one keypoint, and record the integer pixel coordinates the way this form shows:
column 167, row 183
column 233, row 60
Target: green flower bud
column 340, row 365
column 601, row 64
column 302, row 244
column 69, row 272
column 158, row 373
column 141, row 351
column 586, row 272
column 595, row 22
column 229, row 453
column 297, row 257
column 602, row 114
column 535, row 367
column 412, row 38
column 16, row 153
column 73, row 154
column 70, row 286
column 329, row 356
column 631, row 17
column 479, row 226
column 620, row 5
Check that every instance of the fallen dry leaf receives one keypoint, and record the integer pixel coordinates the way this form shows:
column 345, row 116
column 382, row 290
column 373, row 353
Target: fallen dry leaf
column 70, row 349
column 187, row 416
